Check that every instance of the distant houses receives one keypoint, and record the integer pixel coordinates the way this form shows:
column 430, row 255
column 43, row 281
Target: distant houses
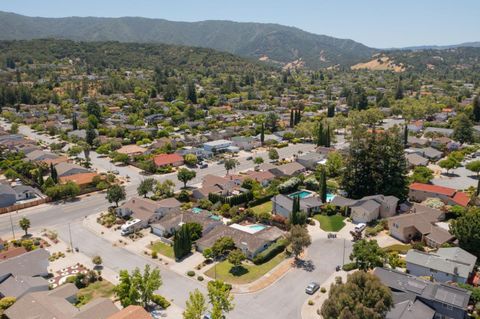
column 419, row 192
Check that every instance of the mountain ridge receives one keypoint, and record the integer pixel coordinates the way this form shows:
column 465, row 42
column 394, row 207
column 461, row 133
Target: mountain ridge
column 250, row 39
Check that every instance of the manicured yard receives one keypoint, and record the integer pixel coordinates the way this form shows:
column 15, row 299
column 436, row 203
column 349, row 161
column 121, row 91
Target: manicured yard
column 162, row 249
column 249, row 272
column 99, row 289
column 263, row 208
column 330, row 223
column 400, row 248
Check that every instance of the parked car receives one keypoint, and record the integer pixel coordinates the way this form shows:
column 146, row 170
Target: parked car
column 312, row 288
column 203, row 165
column 249, row 158
column 360, row 227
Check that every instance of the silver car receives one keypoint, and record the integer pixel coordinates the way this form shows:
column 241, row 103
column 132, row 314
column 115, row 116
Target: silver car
column 312, row 288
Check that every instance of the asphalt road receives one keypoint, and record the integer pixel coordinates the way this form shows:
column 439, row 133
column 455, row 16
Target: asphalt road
column 282, row 300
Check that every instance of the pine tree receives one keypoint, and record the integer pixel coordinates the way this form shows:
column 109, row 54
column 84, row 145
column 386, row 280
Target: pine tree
column 191, row 93
column 299, row 117
column 327, row 136
column 320, row 139
column 291, row 119
column 399, row 90
column 405, row 136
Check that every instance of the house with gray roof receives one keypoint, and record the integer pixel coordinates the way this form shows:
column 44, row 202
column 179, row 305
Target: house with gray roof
column 427, row 152
column 283, row 205
column 68, row 169
column 445, row 265
column 288, row 170
column 445, row 301
column 368, row 208
column 33, row 264
column 415, row 159
column 40, row 155
column 439, row 130
column 8, row 196
column 147, row 210
column 169, row 223
column 311, row 160
column 17, row 286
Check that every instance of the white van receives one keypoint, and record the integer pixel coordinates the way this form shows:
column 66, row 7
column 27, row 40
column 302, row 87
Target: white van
column 131, row 226
column 360, row 227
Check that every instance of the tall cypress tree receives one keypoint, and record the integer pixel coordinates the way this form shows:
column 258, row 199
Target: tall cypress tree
column 320, row 141
column 405, row 136
column 74, row 122
column 262, row 134
column 53, row 173
column 323, row 185
column 327, row 136
column 291, row 119
column 476, row 109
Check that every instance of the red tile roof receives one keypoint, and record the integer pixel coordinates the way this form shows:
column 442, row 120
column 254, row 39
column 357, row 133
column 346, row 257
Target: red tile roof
column 167, row 159
column 79, row 179
column 433, row 189
column 461, row 199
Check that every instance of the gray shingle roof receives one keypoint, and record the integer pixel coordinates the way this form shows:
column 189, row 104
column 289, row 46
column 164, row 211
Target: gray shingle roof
column 439, row 263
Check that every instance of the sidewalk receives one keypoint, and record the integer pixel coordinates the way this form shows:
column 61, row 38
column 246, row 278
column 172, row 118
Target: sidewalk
column 310, row 312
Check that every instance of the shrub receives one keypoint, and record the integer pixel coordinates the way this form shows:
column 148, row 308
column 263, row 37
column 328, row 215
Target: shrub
column 190, row 273
column 161, row 301
column 270, row 252
column 70, row 279
column 323, row 290
column 6, row 302
column 349, row 266
column 154, row 255
column 311, row 303
column 418, row 246
column 200, row 278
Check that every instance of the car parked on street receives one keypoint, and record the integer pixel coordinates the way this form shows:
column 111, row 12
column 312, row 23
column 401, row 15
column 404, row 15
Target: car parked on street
column 312, row 288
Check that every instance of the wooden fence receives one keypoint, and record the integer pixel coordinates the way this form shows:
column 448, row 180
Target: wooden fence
column 13, row 208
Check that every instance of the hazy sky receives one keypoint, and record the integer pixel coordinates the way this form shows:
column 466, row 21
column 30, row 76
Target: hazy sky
column 377, row 23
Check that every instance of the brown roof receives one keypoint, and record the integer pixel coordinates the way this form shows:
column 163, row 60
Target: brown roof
column 131, row 312
column 79, row 179
column 167, row 159
column 439, row 235
column 55, row 161
column 131, row 149
column 421, row 217
column 144, row 208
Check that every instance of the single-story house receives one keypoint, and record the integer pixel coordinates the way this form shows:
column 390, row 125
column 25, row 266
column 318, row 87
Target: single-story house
column 67, row 169
column 162, row 160
column 445, row 265
column 171, row 222
column 246, row 143
column 439, row 130
column 414, row 297
column 287, row 170
column 131, row 150
column 224, row 186
column 217, row 145
column 17, row 286
column 8, row 196
column 419, row 224
column 416, row 160
column 368, row 208
column 428, row 152
column 25, row 192
column 40, row 156
column 30, row 264
column 147, row 210
column 131, row 312
column 419, row 192
column 250, row 243
column 59, row 304
column 283, row 205
column 311, row 160
column 413, row 141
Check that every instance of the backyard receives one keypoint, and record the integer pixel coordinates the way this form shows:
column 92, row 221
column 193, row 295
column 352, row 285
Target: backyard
column 162, row 249
column 263, row 208
column 330, row 223
column 400, row 248
column 98, row 289
column 248, row 272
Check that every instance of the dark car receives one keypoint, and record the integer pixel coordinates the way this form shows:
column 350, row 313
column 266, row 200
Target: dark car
column 312, row 288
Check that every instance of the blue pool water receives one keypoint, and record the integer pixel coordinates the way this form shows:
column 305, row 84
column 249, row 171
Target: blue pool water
column 216, row 217
column 330, row 197
column 301, row 194
column 257, row 227
column 196, row 210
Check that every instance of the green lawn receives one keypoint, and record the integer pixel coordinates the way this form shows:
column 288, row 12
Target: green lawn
column 263, row 208
column 162, row 249
column 330, row 223
column 400, row 248
column 99, row 289
column 247, row 274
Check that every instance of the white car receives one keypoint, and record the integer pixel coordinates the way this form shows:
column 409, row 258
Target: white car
column 360, row 227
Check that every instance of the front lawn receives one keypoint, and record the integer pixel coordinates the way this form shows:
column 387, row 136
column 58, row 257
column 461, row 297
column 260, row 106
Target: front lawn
column 400, row 248
column 330, row 223
column 262, row 208
column 163, row 249
column 247, row 273
column 99, row 289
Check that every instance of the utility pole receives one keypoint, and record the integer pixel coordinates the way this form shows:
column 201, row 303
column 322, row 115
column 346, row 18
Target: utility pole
column 11, row 224
column 70, row 234
column 343, row 256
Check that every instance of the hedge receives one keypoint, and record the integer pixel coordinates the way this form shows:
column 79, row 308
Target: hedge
column 260, row 201
column 161, row 301
column 349, row 266
column 270, row 252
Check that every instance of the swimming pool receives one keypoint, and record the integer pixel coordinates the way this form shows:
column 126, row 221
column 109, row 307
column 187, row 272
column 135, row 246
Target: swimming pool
column 330, row 197
column 196, row 210
column 216, row 217
column 256, row 227
column 301, row 194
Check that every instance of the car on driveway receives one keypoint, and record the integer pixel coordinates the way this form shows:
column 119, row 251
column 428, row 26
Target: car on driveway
column 249, row 158
column 312, row 288
column 203, row 165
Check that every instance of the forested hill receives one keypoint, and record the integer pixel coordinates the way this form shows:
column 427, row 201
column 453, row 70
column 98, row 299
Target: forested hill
column 116, row 55
column 272, row 42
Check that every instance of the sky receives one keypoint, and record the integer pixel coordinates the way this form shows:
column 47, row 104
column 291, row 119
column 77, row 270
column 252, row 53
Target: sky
column 376, row 23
